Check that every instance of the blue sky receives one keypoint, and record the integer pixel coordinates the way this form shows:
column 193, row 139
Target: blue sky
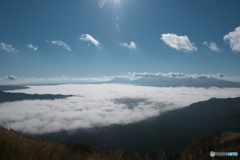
column 95, row 38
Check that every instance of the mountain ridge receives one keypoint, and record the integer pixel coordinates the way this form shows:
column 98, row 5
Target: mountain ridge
column 162, row 81
column 173, row 128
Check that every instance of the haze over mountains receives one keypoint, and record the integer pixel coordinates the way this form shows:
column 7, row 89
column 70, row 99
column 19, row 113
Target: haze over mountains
column 163, row 81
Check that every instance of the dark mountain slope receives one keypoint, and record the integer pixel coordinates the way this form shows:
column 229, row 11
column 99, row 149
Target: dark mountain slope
column 217, row 141
column 172, row 130
column 13, row 146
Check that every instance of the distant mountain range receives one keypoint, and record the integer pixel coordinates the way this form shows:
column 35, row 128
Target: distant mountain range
column 161, row 81
column 120, row 80
column 151, row 80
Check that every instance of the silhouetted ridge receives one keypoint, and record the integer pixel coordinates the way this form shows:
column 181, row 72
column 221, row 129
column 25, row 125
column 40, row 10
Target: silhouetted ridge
column 171, row 131
column 11, row 87
column 14, row 146
column 10, row 97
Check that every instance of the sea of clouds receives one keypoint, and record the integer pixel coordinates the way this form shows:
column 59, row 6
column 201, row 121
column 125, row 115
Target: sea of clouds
column 97, row 105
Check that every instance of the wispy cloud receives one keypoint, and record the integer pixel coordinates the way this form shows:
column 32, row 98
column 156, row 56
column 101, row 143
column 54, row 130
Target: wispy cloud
column 89, row 38
column 60, row 43
column 10, row 80
column 182, row 75
column 100, row 105
column 7, row 47
column 160, row 74
column 31, row 46
column 131, row 45
column 212, row 45
column 178, row 42
column 54, row 79
column 11, row 77
column 234, row 39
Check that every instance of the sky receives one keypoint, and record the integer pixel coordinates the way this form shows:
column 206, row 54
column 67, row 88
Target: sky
column 98, row 105
column 96, row 38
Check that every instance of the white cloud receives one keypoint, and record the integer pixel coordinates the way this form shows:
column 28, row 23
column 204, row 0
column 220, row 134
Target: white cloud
column 11, row 77
column 7, row 47
column 183, row 75
column 234, row 39
column 160, row 74
column 89, row 38
column 213, row 46
column 62, row 44
column 131, row 45
column 178, row 42
column 100, row 105
column 33, row 47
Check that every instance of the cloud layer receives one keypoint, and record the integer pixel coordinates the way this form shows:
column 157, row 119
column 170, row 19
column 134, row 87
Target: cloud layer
column 89, row 38
column 234, row 39
column 178, row 42
column 177, row 75
column 100, row 105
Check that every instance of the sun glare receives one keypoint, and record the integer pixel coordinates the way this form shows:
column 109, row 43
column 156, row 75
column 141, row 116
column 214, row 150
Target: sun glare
column 102, row 3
